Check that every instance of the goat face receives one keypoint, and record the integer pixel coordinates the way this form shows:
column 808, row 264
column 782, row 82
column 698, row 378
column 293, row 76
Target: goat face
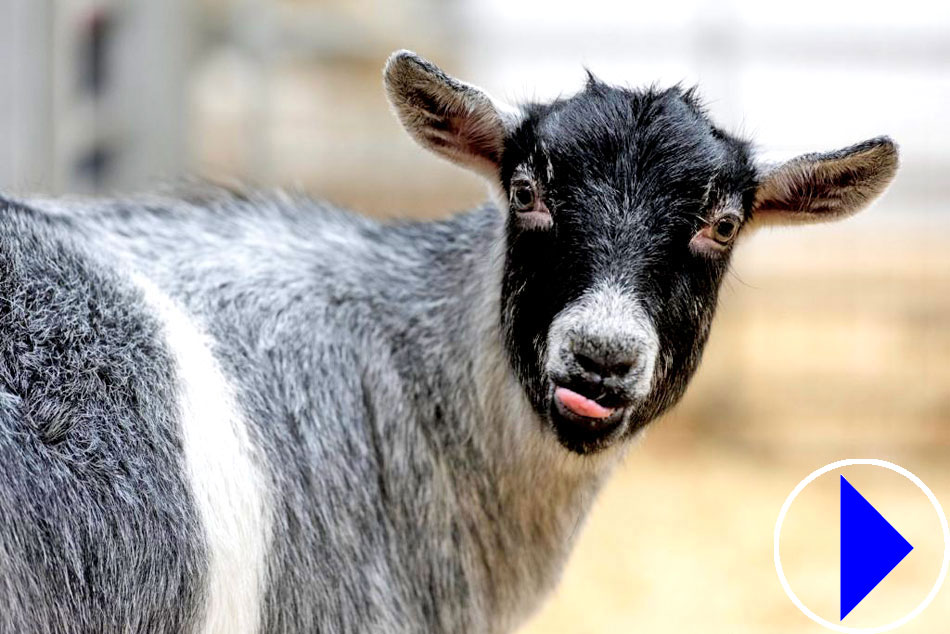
column 622, row 208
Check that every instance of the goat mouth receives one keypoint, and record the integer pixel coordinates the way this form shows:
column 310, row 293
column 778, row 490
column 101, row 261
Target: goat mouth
column 576, row 404
column 584, row 424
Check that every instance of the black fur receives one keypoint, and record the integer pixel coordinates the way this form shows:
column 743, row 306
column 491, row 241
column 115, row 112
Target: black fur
column 633, row 175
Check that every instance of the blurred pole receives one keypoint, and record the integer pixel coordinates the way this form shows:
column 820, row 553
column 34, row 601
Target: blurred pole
column 254, row 30
column 151, row 55
column 717, row 40
column 26, row 121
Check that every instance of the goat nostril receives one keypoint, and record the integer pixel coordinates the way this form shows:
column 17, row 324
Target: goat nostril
column 602, row 368
column 621, row 369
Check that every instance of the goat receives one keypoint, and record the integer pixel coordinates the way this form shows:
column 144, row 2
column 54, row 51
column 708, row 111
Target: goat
column 236, row 412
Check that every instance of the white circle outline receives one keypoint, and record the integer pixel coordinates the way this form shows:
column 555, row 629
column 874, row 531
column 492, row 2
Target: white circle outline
column 814, row 475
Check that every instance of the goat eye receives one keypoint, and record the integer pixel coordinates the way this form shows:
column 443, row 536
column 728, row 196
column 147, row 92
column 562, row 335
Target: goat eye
column 725, row 229
column 522, row 196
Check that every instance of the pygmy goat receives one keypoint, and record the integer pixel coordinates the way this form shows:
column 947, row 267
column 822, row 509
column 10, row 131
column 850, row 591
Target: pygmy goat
column 236, row 413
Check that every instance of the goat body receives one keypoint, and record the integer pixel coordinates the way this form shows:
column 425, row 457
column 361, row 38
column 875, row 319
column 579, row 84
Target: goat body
column 225, row 412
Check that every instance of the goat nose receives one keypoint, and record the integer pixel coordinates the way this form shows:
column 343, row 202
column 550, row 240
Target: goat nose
column 606, row 364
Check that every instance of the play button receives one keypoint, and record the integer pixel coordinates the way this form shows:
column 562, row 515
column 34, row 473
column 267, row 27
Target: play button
column 870, row 548
column 866, row 548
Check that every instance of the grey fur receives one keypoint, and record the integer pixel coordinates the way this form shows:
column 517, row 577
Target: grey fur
column 97, row 532
column 338, row 334
column 413, row 484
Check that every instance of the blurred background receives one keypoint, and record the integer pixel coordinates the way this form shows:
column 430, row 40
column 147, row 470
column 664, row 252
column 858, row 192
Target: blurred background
column 831, row 342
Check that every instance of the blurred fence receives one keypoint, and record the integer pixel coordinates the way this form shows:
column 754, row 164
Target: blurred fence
column 113, row 94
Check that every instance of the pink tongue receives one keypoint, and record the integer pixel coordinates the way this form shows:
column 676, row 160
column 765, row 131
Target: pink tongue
column 581, row 405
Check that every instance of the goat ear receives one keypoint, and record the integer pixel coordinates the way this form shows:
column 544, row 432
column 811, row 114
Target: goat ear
column 824, row 186
column 455, row 120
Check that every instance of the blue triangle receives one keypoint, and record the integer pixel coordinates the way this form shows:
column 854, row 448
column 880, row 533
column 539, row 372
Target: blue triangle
column 870, row 548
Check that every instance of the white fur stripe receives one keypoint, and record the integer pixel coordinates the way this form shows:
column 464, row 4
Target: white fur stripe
column 228, row 486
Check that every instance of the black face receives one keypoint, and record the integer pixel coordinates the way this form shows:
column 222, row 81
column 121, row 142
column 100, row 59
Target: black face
column 636, row 192
column 623, row 207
